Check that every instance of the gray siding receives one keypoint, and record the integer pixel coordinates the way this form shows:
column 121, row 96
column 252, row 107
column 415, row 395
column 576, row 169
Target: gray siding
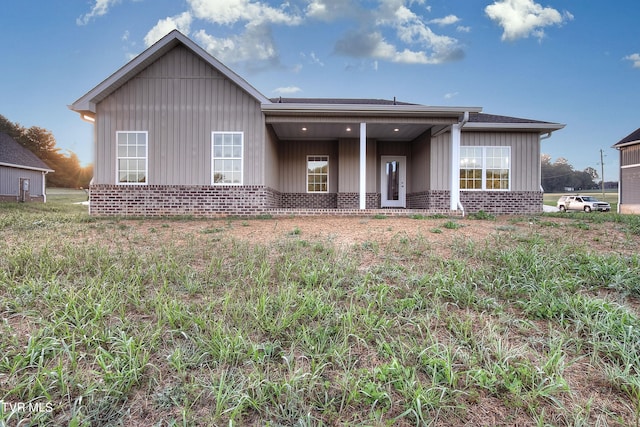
column 293, row 164
column 271, row 169
column 525, row 155
column 10, row 179
column 349, row 170
column 180, row 100
column 630, row 185
column 440, row 160
column 419, row 176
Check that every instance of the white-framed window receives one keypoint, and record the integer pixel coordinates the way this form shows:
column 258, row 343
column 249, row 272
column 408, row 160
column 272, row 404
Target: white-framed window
column 317, row 174
column 228, row 151
column 132, row 157
column 485, row 168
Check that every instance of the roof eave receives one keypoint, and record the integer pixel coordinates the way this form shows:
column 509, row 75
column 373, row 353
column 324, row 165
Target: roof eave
column 370, row 109
column 13, row 165
column 539, row 127
column 625, row 144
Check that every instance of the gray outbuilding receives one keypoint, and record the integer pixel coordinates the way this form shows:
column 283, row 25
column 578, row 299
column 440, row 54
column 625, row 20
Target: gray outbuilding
column 22, row 173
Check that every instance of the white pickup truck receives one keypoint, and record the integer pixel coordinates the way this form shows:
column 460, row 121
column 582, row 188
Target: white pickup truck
column 582, row 203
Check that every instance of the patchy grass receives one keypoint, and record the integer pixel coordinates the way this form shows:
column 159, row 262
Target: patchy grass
column 104, row 323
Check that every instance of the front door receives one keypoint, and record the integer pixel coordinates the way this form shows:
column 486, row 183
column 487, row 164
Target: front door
column 393, row 176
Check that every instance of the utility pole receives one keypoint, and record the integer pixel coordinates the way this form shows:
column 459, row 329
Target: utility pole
column 602, row 172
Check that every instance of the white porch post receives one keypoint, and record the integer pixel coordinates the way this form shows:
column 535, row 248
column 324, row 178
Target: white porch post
column 363, row 165
column 455, row 166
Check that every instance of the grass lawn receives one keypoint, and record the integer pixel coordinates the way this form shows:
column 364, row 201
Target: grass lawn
column 114, row 322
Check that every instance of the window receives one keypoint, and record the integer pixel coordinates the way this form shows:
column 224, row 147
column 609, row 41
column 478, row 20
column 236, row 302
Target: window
column 132, row 157
column 485, row 168
column 227, row 157
column 318, row 174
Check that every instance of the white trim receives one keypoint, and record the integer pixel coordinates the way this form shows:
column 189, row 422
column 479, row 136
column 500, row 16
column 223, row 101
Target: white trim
column 454, row 200
column 362, row 196
column 505, row 126
column 630, row 166
column 386, row 110
column 146, row 158
column 13, row 165
column 484, row 168
column 87, row 103
column 307, row 173
column 214, row 158
column 402, row 180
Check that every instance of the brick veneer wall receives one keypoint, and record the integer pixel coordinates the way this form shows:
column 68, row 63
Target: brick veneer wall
column 166, row 200
column 352, row 200
column 502, row 202
column 436, row 200
column 309, row 200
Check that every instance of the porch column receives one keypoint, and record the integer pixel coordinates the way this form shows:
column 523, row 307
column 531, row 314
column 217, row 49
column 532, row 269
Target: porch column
column 363, row 165
column 455, row 166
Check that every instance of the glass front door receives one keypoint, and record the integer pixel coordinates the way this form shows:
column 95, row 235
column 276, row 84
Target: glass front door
column 392, row 181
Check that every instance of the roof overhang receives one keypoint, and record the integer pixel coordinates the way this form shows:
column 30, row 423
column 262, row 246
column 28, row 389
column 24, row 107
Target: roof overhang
column 625, row 144
column 12, row 165
column 522, row 127
column 274, row 109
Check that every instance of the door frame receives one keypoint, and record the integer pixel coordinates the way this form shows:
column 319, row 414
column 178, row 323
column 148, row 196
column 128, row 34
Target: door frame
column 402, row 184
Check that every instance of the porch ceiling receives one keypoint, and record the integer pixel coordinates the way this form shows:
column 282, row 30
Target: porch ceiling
column 334, row 130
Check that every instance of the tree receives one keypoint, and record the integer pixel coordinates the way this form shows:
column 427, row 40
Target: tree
column 68, row 172
column 560, row 174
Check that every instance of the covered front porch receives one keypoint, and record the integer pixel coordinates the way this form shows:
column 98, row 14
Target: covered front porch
column 359, row 158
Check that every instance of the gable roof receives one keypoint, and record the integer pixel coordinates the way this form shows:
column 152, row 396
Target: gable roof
column 86, row 105
column 631, row 139
column 15, row 155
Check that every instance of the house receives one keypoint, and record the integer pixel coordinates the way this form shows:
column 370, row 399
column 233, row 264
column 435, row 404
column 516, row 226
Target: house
column 629, row 187
column 179, row 133
column 22, row 173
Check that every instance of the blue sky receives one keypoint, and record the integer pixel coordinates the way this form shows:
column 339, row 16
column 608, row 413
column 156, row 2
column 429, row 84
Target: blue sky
column 575, row 62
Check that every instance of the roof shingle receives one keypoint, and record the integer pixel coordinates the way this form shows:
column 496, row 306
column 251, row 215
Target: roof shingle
column 12, row 153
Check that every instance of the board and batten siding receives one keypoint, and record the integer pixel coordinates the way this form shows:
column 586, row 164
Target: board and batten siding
column 293, row 164
column 10, row 181
column 349, row 172
column 419, row 173
column 525, row 157
column 180, row 100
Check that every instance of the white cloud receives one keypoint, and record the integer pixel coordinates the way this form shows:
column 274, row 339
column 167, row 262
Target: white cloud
column 180, row 22
column 463, row 29
column 451, row 95
column 447, row 20
column 416, row 42
column 523, row 18
column 228, row 12
column 330, row 10
column 254, row 46
column 100, row 8
column 288, row 90
column 635, row 58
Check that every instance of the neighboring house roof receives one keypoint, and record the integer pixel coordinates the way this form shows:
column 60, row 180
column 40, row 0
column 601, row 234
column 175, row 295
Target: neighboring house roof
column 15, row 155
column 631, row 139
column 86, row 105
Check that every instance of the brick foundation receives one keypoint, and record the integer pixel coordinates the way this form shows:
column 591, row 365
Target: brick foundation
column 169, row 200
column 352, row 200
column 502, row 202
